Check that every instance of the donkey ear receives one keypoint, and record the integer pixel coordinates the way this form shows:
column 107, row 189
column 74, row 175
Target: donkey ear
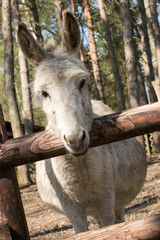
column 29, row 46
column 71, row 34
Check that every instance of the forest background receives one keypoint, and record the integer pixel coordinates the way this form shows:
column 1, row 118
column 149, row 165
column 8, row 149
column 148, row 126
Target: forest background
column 120, row 45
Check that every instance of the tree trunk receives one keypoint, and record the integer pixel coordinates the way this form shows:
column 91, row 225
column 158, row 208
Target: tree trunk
column 58, row 10
column 115, row 69
column 156, row 30
column 23, row 172
column 82, row 54
column 151, row 39
column 93, row 49
column 26, row 94
column 143, row 95
column 36, row 21
column 148, row 67
column 74, row 9
column 130, row 56
column 147, row 56
column 9, row 70
column 141, row 81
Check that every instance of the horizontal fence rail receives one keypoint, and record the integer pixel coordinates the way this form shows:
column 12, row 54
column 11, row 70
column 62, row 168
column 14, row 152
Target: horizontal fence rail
column 106, row 129
column 146, row 229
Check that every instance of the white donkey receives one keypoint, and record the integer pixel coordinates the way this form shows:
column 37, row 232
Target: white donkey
column 100, row 181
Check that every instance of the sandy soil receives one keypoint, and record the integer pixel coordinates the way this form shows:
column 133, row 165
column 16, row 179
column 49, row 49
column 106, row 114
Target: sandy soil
column 44, row 223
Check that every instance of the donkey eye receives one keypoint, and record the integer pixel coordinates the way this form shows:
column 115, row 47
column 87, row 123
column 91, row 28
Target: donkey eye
column 82, row 83
column 45, row 94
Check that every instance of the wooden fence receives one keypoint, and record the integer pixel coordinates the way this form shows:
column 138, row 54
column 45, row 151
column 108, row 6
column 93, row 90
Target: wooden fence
column 43, row 145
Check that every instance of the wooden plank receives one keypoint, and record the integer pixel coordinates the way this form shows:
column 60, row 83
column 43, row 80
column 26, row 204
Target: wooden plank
column 10, row 200
column 146, row 229
column 4, row 231
column 106, row 129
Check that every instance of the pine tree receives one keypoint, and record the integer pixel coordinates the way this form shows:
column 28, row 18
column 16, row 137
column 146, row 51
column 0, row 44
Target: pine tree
column 130, row 56
column 93, row 51
column 115, row 69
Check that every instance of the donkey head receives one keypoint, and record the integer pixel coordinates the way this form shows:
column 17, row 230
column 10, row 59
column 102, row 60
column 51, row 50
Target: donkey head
column 61, row 85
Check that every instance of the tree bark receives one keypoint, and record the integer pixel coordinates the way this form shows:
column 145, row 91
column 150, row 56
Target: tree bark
column 147, row 63
column 36, row 21
column 9, row 70
column 146, row 50
column 142, row 90
column 141, row 81
column 22, row 171
column 151, row 39
column 81, row 52
column 73, row 7
column 106, row 129
column 130, row 56
column 26, row 94
column 113, row 59
column 58, row 10
column 93, row 49
column 156, row 30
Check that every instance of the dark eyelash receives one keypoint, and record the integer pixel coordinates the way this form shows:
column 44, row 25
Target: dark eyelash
column 45, row 94
column 82, row 83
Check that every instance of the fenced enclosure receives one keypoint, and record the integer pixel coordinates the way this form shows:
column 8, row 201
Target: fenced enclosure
column 43, row 145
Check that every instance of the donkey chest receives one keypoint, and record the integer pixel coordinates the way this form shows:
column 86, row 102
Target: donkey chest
column 76, row 177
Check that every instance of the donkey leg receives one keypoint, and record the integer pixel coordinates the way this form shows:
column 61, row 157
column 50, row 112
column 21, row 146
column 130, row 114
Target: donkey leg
column 77, row 216
column 106, row 210
column 106, row 216
column 119, row 215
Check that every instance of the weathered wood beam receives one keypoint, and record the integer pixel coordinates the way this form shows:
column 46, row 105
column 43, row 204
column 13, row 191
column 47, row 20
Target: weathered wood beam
column 106, row 129
column 11, row 207
column 146, row 229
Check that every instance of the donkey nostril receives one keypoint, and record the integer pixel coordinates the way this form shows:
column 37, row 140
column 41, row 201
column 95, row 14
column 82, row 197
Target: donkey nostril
column 83, row 136
column 65, row 139
column 73, row 139
column 68, row 140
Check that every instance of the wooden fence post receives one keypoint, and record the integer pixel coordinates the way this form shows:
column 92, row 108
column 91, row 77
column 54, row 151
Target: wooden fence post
column 10, row 200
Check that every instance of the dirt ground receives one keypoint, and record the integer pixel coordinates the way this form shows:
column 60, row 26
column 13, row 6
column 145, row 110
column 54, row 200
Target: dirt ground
column 44, row 223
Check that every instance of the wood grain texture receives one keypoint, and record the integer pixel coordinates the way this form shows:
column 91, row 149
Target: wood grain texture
column 10, row 200
column 106, row 129
column 144, row 229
